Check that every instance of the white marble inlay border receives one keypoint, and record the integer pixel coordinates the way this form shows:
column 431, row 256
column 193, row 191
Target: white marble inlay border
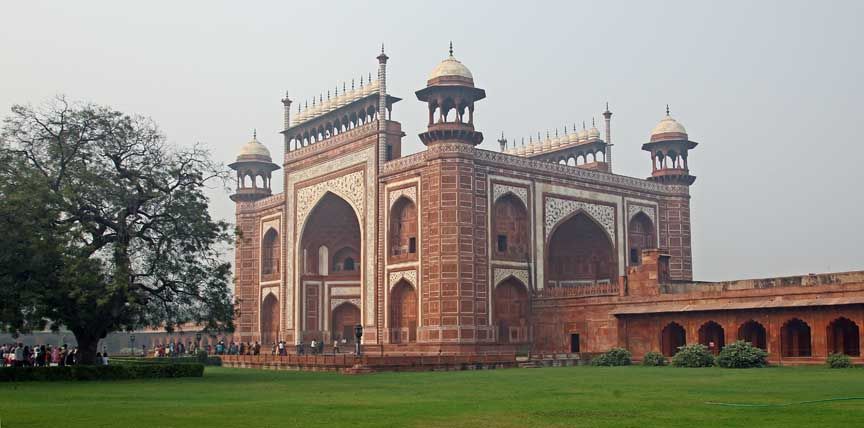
column 408, row 275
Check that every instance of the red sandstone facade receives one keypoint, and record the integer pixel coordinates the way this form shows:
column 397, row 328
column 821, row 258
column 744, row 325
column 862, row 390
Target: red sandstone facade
column 456, row 249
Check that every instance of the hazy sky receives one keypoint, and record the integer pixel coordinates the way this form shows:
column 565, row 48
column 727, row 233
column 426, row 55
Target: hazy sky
column 771, row 91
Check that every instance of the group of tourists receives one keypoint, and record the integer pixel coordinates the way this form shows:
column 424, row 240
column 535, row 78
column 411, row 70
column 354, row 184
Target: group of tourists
column 172, row 349
column 238, row 348
column 21, row 355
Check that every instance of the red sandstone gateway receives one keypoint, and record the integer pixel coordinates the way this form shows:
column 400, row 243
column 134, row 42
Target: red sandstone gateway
column 461, row 251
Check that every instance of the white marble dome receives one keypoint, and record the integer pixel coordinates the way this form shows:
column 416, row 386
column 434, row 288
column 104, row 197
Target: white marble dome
column 450, row 67
column 668, row 125
column 254, row 150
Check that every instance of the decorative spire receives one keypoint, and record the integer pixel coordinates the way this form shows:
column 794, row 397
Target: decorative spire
column 667, row 109
column 343, row 88
column 583, row 125
column 593, row 125
column 607, row 107
column 352, row 84
column 451, row 48
column 254, row 134
column 523, row 141
column 361, row 80
column 370, row 77
column 382, row 48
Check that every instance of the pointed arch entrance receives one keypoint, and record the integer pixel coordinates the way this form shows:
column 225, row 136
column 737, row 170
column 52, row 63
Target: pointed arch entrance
column 795, row 338
column 753, row 332
column 510, row 311
column 640, row 236
column 844, row 337
column 712, row 336
column 269, row 319
column 672, row 338
column 403, row 313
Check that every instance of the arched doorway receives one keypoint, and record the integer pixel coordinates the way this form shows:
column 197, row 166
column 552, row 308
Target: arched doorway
column 510, row 229
column 753, row 332
column 843, row 337
column 672, row 337
column 403, row 231
column 403, row 313
column 510, row 311
column 640, row 236
column 580, row 253
column 712, row 335
column 795, row 338
column 345, row 317
column 269, row 320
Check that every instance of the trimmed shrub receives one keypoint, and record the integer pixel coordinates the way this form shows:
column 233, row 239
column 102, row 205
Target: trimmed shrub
column 839, row 361
column 654, row 359
column 693, row 356
column 613, row 357
column 110, row 372
column 742, row 355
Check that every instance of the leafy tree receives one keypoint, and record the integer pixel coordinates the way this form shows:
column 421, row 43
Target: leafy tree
column 104, row 226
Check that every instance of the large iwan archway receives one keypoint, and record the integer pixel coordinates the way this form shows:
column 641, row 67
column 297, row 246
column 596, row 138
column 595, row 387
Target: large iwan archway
column 580, row 252
column 329, row 252
column 510, row 229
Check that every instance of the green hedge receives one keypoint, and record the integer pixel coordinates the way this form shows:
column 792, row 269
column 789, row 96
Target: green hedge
column 110, row 372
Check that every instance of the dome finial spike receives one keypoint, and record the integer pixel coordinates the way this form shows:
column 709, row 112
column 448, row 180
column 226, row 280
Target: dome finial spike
column 667, row 109
column 382, row 47
column 451, row 47
column 254, row 134
column 593, row 124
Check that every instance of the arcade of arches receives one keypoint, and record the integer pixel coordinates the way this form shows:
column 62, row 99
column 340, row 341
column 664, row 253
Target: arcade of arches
column 580, row 252
column 789, row 336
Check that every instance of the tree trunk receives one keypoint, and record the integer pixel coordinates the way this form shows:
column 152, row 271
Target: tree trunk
column 87, row 345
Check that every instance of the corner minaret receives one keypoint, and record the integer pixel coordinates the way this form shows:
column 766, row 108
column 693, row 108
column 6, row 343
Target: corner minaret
column 451, row 88
column 669, row 146
column 253, row 162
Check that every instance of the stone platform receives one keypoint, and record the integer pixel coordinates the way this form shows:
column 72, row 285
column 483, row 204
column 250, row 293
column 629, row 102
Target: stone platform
column 351, row 364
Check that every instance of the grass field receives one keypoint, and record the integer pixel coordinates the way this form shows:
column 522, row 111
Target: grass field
column 575, row 396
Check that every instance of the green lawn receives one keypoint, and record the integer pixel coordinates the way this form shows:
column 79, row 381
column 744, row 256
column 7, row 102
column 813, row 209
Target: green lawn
column 574, row 396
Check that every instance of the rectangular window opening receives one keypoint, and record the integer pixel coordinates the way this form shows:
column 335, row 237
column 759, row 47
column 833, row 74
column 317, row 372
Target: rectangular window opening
column 412, row 245
column 502, row 243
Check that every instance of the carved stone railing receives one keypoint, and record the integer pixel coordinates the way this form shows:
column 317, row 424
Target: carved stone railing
column 579, row 288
